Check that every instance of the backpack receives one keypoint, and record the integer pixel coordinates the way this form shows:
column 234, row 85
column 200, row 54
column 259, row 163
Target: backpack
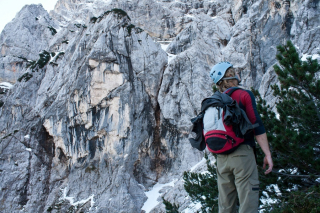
column 227, row 137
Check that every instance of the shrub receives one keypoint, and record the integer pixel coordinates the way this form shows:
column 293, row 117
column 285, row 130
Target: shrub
column 53, row 31
column 26, row 77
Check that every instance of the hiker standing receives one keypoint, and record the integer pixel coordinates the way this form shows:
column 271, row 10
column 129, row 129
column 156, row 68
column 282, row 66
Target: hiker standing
column 237, row 172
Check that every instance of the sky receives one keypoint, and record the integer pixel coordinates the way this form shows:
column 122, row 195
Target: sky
column 9, row 8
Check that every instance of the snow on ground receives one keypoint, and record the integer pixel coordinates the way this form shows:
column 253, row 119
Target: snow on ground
column 170, row 57
column 276, row 188
column 203, row 160
column 314, row 56
column 195, row 207
column 71, row 199
column 153, row 196
column 192, row 209
column 53, row 59
column 190, row 16
column 6, row 85
column 164, row 45
column 267, row 200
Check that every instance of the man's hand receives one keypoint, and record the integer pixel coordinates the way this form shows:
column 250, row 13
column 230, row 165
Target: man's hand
column 263, row 142
column 267, row 160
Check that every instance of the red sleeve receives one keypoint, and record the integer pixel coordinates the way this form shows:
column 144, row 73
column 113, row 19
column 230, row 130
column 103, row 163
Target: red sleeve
column 248, row 101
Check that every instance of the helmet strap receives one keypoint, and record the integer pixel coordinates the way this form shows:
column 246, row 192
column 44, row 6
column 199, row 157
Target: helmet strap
column 228, row 78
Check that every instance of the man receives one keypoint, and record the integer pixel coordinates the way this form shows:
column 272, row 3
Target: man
column 237, row 172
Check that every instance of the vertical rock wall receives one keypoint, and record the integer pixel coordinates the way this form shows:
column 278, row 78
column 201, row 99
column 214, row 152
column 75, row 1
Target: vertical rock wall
column 23, row 38
column 80, row 123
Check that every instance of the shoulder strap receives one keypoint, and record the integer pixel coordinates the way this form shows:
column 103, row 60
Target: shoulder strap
column 230, row 91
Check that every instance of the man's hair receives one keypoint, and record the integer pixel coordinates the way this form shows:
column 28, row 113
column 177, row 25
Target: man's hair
column 225, row 84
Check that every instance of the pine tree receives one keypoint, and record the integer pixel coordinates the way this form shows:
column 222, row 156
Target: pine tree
column 294, row 134
column 170, row 208
column 202, row 188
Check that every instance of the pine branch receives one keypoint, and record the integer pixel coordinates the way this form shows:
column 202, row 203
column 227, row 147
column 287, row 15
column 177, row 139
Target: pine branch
column 298, row 176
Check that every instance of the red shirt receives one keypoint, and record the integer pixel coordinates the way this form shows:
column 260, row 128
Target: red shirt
column 247, row 102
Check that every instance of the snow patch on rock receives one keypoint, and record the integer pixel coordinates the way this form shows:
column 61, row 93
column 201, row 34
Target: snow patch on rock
column 154, row 194
column 313, row 57
column 71, row 199
column 194, row 208
column 203, row 161
column 6, row 85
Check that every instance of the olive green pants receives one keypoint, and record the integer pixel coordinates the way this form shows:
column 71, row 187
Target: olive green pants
column 238, row 176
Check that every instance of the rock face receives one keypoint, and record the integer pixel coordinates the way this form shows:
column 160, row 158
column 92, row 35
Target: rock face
column 99, row 112
column 87, row 116
column 23, row 38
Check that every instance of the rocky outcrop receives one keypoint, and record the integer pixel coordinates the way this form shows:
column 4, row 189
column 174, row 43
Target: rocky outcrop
column 101, row 112
column 23, row 38
column 78, row 124
column 249, row 41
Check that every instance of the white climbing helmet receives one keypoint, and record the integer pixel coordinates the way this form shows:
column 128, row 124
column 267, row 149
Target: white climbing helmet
column 217, row 72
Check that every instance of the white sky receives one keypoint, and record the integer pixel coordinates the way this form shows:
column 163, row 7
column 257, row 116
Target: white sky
column 9, row 8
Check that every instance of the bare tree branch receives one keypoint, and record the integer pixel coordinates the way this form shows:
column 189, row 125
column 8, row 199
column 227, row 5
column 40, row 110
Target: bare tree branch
column 298, row 176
